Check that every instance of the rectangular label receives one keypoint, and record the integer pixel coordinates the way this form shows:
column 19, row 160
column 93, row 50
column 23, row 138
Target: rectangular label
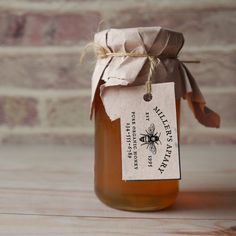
column 149, row 136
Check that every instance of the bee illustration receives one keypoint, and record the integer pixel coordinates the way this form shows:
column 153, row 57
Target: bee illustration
column 151, row 139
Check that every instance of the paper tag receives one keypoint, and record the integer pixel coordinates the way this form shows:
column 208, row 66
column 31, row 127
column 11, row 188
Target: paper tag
column 149, row 134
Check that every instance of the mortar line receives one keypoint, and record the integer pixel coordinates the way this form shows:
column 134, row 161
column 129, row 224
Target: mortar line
column 90, row 130
column 60, row 7
column 76, row 49
column 202, row 130
column 42, row 112
column 72, row 93
column 43, row 93
column 46, row 130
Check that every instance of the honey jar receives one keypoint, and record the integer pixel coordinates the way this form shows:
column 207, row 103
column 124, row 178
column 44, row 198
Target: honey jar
column 124, row 59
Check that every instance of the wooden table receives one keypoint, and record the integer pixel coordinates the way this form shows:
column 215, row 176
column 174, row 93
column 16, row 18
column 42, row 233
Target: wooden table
column 49, row 191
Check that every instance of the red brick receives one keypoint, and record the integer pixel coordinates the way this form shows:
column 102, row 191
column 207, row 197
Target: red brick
column 18, row 111
column 70, row 28
column 46, row 29
column 63, row 71
column 42, row 138
column 217, row 68
column 222, row 103
column 201, row 27
column 87, row 139
column 68, row 112
column 46, row 71
column 211, row 137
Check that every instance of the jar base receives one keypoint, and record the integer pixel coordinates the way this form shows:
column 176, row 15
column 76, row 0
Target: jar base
column 137, row 203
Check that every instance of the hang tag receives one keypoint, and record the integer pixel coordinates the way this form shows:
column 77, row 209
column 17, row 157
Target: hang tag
column 149, row 138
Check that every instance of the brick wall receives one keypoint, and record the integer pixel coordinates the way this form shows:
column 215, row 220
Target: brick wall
column 44, row 91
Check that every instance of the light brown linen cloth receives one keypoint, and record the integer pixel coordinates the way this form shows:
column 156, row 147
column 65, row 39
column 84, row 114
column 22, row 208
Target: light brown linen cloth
column 165, row 44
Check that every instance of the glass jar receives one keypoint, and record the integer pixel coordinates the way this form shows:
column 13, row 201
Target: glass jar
column 145, row 195
column 125, row 58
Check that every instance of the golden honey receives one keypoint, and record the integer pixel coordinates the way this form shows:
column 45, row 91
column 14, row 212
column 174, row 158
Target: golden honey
column 144, row 195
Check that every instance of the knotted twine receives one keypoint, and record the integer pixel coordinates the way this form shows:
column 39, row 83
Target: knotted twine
column 102, row 52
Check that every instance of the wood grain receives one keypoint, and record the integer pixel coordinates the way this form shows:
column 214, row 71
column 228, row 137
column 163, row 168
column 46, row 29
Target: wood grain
column 54, row 225
column 49, row 191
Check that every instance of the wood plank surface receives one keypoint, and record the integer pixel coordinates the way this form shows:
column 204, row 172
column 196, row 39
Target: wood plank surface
column 193, row 205
column 89, row 226
column 49, row 191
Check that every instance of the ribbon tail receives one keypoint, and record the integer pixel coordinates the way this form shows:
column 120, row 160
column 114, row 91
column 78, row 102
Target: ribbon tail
column 197, row 103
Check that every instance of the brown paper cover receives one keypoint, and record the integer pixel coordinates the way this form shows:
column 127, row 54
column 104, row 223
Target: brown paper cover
column 165, row 44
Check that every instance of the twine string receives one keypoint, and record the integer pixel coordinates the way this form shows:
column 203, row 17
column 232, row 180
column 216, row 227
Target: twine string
column 102, row 52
